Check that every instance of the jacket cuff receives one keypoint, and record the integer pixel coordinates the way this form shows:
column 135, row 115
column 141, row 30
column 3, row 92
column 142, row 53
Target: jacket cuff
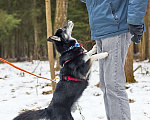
column 135, row 21
column 136, row 11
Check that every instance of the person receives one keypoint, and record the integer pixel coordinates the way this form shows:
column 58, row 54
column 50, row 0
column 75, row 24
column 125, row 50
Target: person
column 114, row 24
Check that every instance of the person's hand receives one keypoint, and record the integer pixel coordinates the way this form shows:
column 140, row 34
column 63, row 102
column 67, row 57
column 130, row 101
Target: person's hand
column 137, row 32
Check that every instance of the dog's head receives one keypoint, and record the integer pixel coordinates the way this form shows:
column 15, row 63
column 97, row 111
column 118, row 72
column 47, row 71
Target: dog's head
column 62, row 38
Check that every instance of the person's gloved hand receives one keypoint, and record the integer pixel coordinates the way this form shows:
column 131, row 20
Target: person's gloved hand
column 137, row 31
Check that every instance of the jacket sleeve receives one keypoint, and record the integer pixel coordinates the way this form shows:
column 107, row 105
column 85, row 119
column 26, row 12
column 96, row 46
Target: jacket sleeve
column 83, row 1
column 136, row 11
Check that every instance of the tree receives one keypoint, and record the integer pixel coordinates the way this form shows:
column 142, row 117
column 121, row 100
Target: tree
column 148, row 29
column 35, row 25
column 143, row 44
column 21, row 40
column 129, row 65
column 50, row 45
column 60, row 19
column 142, row 48
column 60, row 14
column 8, row 22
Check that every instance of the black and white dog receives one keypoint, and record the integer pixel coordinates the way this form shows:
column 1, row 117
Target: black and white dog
column 74, row 75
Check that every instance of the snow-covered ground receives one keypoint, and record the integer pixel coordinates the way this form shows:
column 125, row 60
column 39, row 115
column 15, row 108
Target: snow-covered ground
column 19, row 92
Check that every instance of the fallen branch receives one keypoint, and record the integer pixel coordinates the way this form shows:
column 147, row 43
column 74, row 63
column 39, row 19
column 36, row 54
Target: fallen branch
column 140, row 66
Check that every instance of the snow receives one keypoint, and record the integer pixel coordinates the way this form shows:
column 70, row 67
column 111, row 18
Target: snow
column 20, row 91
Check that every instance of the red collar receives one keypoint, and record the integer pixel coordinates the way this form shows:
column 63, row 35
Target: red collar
column 68, row 78
column 71, row 59
column 67, row 61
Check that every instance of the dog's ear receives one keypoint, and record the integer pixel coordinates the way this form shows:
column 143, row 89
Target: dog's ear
column 54, row 38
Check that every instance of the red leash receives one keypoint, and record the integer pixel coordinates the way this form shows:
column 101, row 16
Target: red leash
column 24, row 70
column 64, row 77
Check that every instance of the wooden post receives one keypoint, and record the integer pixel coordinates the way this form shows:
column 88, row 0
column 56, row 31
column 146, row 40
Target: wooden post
column 50, row 45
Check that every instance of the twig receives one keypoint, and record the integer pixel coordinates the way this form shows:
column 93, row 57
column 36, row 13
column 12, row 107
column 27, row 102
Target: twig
column 140, row 66
column 37, row 87
column 79, row 108
column 36, row 67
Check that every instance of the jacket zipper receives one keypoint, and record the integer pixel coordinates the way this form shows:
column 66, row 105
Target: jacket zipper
column 114, row 14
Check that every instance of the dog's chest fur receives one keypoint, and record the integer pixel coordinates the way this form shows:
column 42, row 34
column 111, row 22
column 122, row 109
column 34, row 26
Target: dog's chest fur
column 73, row 68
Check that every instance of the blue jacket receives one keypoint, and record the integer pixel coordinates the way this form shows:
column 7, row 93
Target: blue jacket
column 111, row 17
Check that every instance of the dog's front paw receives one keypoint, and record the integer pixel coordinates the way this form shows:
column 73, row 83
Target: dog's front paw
column 94, row 49
column 105, row 54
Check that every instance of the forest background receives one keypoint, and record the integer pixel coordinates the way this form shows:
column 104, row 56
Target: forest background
column 19, row 19
column 23, row 30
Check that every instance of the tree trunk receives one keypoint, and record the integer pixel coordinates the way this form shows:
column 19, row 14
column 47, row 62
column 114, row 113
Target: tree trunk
column 142, row 47
column 50, row 45
column 61, row 13
column 60, row 20
column 148, row 29
column 129, row 65
column 143, row 44
column 146, row 35
column 35, row 25
column 1, row 49
column 13, row 47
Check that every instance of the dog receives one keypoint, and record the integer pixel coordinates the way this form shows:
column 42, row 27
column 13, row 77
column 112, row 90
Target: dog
column 74, row 75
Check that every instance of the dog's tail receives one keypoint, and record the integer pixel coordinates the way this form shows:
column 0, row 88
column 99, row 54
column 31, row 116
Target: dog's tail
column 33, row 115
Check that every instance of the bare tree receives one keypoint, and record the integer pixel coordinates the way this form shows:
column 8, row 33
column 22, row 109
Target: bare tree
column 50, row 45
column 148, row 29
column 60, row 19
column 35, row 25
column 142, row 47
column 61, row 13
column 129, row 65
